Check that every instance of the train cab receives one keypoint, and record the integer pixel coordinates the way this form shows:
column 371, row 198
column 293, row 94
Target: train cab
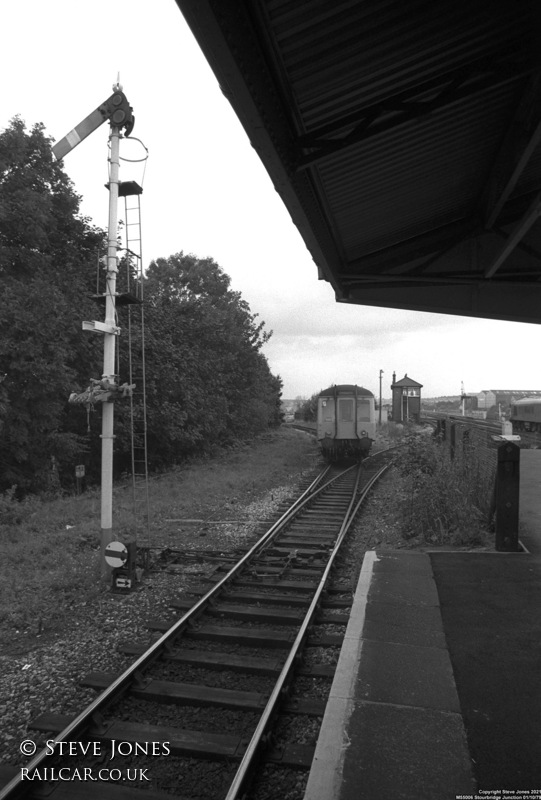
column 346, row 421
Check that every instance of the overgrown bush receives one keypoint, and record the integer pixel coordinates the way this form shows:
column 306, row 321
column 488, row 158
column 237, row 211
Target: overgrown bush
column 394, row 431
column 14, row 511
column 443, row 500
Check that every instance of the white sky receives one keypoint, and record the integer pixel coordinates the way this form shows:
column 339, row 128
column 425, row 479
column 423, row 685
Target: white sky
column 206, row 192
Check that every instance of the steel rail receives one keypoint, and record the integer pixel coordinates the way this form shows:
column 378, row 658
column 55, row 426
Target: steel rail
column 91, row 714
column 256, row 742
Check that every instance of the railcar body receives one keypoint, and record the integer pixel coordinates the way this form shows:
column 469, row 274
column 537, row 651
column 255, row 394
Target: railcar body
column 526, row 414
column 346, row 421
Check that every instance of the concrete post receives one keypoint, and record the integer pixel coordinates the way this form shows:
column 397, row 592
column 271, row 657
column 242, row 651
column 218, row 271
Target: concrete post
column 507, row 497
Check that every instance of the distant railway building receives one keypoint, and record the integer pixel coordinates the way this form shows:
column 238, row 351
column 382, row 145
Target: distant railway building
column 495, row 403
column 507, row 396
column 486, row 399
column 501, row 400
column 406, row 394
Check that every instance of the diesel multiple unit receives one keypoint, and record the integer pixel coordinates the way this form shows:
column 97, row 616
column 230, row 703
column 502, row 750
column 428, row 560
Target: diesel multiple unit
column 346, row 421
column 526, row 414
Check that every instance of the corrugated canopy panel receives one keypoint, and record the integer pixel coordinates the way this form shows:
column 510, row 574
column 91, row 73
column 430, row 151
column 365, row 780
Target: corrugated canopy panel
column 404, row 138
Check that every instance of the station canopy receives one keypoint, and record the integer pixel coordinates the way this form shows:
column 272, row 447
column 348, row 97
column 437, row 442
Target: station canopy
column 403, row 137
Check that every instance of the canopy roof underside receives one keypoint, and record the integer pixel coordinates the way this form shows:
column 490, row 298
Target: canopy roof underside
column 404, row 139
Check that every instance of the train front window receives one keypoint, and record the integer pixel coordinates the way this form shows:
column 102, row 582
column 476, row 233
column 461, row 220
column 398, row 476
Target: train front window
column 345, row 408
column 363, row 409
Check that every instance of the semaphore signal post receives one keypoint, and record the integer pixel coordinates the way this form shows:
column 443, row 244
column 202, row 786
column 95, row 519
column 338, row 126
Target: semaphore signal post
column 119, row 113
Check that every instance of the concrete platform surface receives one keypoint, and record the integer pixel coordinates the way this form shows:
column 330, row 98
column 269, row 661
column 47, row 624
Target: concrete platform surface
column 491, row 611
column 393, row 727
column 437, row 692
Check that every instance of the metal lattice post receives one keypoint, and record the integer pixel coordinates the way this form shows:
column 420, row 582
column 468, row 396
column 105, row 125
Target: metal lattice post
column 137, row 368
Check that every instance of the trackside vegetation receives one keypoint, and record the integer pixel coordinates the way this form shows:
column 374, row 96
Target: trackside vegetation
column 308, row 409
column 208, row 382
column 442, row 501
column 49, row 549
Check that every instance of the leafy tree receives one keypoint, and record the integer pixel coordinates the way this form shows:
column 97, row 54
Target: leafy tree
column 308, row 409
column 207, row 381
column 47, row 257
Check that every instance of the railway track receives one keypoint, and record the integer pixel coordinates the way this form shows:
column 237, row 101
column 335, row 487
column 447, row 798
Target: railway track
column 206, row 704
column 528, row 439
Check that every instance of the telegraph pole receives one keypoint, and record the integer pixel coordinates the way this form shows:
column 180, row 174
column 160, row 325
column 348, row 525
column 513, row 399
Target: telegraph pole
column 380, row 375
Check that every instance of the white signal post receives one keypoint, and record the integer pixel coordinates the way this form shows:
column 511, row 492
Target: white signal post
column 109, row 342
column 119, row 113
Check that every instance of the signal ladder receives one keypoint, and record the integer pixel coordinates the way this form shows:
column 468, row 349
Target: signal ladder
column 133, row 298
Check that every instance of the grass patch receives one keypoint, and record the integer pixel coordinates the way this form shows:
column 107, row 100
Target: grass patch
column 49, row 550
